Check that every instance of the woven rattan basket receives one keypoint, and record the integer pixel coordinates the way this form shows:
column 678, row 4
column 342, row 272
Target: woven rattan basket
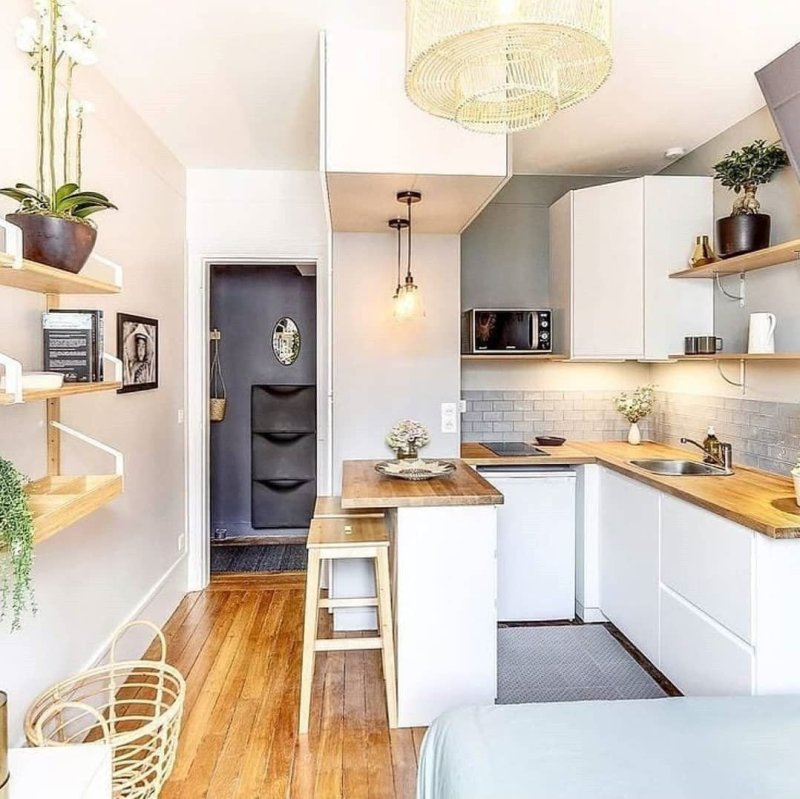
column 134, row 706
column 216, row 409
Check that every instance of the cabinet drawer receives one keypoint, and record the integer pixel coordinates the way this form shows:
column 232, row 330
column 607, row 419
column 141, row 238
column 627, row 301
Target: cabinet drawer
column 709, row 561
column 698, row 655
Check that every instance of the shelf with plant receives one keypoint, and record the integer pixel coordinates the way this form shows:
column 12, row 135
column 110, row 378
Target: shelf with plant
column 55, row 213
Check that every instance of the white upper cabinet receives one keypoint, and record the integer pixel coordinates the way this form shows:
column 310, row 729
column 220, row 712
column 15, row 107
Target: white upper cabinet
column 612, row 249
column 374, row 142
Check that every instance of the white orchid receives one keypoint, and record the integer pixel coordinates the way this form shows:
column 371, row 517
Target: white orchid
column 79, row 52
column 28, row 35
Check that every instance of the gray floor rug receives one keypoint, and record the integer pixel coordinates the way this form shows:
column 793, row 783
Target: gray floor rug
column 567, row 664
column 270, row 558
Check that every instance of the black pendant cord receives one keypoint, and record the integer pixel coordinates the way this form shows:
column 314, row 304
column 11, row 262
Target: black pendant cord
column 399, row 258
column 409, row 279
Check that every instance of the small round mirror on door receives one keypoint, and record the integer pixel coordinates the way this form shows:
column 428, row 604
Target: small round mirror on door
column 286, row 341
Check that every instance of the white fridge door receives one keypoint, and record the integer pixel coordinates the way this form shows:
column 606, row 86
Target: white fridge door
column 536, row 547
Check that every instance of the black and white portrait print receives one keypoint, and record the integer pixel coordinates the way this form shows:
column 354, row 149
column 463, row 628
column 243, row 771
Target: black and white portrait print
column 137, row 348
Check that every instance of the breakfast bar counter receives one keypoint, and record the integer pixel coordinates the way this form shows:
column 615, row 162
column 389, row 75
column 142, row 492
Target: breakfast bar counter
column 363, row 487
column 443, row 534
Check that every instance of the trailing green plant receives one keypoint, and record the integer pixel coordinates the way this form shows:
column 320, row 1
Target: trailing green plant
column 746, row 169
column 16, row 547
column 58, row 38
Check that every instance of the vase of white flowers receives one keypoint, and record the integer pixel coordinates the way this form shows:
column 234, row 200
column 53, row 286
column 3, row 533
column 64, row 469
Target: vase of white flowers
column 54, row 213
column 407, row 437
column 634, row 407
column 796, row 478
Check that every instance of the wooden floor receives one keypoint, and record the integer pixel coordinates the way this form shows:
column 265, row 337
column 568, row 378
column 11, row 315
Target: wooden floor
column 238, row 643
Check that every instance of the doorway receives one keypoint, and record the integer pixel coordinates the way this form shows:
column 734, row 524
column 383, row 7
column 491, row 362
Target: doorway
column 263, row 453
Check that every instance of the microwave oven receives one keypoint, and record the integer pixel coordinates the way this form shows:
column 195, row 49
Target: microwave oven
column 513, row 330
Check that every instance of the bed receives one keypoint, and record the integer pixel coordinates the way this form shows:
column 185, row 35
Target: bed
column 680, row 748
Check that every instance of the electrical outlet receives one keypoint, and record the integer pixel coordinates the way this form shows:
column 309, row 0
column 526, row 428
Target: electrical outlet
column 449, row 417
column 181, row 415
column 462, row 406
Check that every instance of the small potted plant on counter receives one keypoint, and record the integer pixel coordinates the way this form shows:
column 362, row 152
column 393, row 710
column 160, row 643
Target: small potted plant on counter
column 54, row 214
column 746, row 229
column 16, row 546
column 796, row 478
column 406, row 438
column 634, row 407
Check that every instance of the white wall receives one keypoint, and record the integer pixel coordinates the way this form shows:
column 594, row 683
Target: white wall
column 247, row 216
column 384, row 371
column 94, row 575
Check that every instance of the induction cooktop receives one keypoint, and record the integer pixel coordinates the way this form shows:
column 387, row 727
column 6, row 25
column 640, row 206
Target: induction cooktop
column 513, row 448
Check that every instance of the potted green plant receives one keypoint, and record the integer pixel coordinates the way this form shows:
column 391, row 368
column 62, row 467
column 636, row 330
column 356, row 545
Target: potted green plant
column 16, row 546
column 54, row 215
column 746, row 229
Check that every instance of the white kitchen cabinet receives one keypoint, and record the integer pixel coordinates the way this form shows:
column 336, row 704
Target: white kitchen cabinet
column 612, row 249
column 629, row 559
column 709, row 561
column 700, row 656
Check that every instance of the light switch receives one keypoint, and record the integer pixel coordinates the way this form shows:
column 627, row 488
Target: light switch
column 449, row 417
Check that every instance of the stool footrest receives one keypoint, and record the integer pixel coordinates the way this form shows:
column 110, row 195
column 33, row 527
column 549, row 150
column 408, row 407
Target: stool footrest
column 350, row 602
column 341, row 644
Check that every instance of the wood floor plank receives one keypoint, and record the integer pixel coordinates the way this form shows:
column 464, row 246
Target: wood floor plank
column 238, row 643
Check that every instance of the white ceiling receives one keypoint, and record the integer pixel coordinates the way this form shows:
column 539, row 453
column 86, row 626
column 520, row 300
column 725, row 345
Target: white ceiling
column 234, row 85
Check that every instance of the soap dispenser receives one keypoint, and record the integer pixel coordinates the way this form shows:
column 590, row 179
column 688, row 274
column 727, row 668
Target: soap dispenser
column 711, row 446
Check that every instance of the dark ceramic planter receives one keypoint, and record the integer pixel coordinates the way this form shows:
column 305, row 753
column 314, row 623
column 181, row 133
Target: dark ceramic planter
column 737, row 235
column 55, row 242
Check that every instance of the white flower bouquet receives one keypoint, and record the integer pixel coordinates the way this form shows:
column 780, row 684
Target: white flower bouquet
column 796, row 477
column 406, row 437
column 637, row 405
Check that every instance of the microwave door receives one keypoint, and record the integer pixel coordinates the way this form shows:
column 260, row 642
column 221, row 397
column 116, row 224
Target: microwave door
column 533, row 332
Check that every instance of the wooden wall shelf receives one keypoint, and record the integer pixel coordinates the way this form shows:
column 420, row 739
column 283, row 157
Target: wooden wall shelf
column 772, row 256
column 59, row 501
column 739, row 356
column 46, row 280
column 67, row 390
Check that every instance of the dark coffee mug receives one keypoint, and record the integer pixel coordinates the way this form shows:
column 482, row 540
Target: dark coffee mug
column 690, row 344
column 709, row 345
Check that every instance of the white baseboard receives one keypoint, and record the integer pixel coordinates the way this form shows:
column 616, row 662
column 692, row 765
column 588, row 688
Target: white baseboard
column 158, row 604
column 589, row 615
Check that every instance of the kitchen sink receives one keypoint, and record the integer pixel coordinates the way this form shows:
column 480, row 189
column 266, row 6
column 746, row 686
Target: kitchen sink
column 676, row 468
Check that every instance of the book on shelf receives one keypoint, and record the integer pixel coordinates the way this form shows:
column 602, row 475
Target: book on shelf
column 74, row 344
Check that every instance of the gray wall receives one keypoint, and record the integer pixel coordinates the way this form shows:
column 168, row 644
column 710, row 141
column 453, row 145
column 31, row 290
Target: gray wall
column 775, row 289
column 505, row 251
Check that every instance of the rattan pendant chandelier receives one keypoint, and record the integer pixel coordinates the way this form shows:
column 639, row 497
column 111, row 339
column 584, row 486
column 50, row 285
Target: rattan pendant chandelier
column 499, row 66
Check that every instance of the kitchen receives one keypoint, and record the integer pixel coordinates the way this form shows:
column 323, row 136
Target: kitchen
column 616, row 535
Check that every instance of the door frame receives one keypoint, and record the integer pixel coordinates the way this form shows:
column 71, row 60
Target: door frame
column 198, row 426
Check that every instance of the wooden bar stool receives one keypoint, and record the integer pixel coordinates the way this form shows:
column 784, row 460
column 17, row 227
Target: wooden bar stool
column 332, row 539
column 331, row 508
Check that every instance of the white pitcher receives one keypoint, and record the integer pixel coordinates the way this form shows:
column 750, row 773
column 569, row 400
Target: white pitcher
column 762, row 333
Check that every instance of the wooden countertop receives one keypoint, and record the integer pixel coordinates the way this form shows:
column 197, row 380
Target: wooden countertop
column 758, row 500
column 363, row 487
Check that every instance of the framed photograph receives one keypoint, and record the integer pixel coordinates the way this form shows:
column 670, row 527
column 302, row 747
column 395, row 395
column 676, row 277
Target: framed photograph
column 137, row 348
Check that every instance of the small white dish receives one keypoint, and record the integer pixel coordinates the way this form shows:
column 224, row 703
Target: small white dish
column 38, row 381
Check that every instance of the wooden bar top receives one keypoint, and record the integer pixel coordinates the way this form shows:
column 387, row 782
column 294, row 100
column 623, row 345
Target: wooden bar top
column 758, row 500
column 363, row 487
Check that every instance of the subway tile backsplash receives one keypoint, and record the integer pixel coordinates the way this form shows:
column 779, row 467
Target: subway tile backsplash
column 764, row 435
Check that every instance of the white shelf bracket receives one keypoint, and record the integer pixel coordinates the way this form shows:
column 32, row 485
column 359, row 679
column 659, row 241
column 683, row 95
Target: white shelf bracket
column 13, row 245
column 742, row 376
column 117, row 364
column 736, row 298
column 13, row 370
column 115, row 268
column 119, row 461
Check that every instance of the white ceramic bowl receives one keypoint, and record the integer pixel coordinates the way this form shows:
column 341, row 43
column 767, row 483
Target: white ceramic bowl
column 42, row 381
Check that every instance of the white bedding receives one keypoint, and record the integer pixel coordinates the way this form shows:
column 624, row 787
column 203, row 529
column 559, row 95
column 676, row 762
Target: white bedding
column 686, row 748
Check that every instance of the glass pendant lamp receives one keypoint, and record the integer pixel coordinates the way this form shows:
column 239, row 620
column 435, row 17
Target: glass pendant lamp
column 407, row 300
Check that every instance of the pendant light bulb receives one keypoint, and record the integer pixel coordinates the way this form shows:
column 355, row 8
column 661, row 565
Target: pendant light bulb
column 407, row 301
